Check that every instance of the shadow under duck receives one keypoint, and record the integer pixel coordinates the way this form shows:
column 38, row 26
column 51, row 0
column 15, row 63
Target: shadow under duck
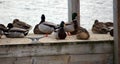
column 15, row 32
column 44, row 27
column 60, row 32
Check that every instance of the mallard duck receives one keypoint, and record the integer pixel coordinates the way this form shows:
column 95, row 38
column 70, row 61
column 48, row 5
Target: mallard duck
column 82, row 34
column 15, row 32
column 21, row 24
column 60, row 32
column 2, row 29
column 46, row 27
column 71, row 27
column 99, row 28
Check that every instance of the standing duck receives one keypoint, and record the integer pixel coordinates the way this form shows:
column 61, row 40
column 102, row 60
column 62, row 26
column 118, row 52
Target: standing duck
column 15, row 32
column 2, row 29
column 71, row 27
column 60, row 32
column 46, row 27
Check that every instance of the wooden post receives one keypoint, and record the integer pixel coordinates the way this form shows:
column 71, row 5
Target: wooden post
column 116, row 16
column 73, row 6
column 118, row 22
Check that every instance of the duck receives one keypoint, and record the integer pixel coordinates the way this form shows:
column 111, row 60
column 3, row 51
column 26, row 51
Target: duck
column 82, row 34
column 100, row 27
column 15, row 32
column 71, row 27
column 46, row 27
column 21, row 24
column 2, row 29
column 60, row 32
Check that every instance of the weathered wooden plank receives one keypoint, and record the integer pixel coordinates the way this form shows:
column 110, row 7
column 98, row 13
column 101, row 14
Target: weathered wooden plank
column 118, row 26
column 92, row 59
column 24, row 60
column 56, row 49
column 8, row 60
column 60, row 59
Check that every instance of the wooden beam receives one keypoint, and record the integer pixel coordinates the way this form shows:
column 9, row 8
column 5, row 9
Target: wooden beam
column 73, row 6
column 118, row 20
column 116, row 16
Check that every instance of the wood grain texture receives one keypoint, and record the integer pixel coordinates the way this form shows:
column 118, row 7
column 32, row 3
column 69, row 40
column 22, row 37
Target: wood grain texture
column 118, row 12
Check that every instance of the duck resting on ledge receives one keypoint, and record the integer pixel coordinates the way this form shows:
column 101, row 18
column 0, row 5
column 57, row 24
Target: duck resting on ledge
column 20, row 24
column 15, row 32
column 101, row 27
column 71, row 27
column 60, row 32
column 44, row 27
column 82, row 34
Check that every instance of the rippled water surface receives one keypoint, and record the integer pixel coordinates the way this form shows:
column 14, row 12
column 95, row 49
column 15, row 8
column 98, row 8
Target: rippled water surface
column 55, row 11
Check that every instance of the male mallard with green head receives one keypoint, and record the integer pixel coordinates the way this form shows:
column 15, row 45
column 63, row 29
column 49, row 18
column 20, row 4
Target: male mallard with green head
column 45, row 27
column 71, row 27
column 60, row 32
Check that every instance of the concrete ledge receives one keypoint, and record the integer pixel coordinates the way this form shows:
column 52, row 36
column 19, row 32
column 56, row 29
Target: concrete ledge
column 50, row 39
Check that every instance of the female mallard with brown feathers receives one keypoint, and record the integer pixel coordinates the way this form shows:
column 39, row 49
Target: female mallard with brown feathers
column 101, row 27
column 15, row 32
column 21, row 24
column 45, row 27
column 82, row 34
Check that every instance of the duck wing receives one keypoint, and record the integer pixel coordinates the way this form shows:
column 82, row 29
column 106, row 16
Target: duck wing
column 50, row 24
column 15, row 29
